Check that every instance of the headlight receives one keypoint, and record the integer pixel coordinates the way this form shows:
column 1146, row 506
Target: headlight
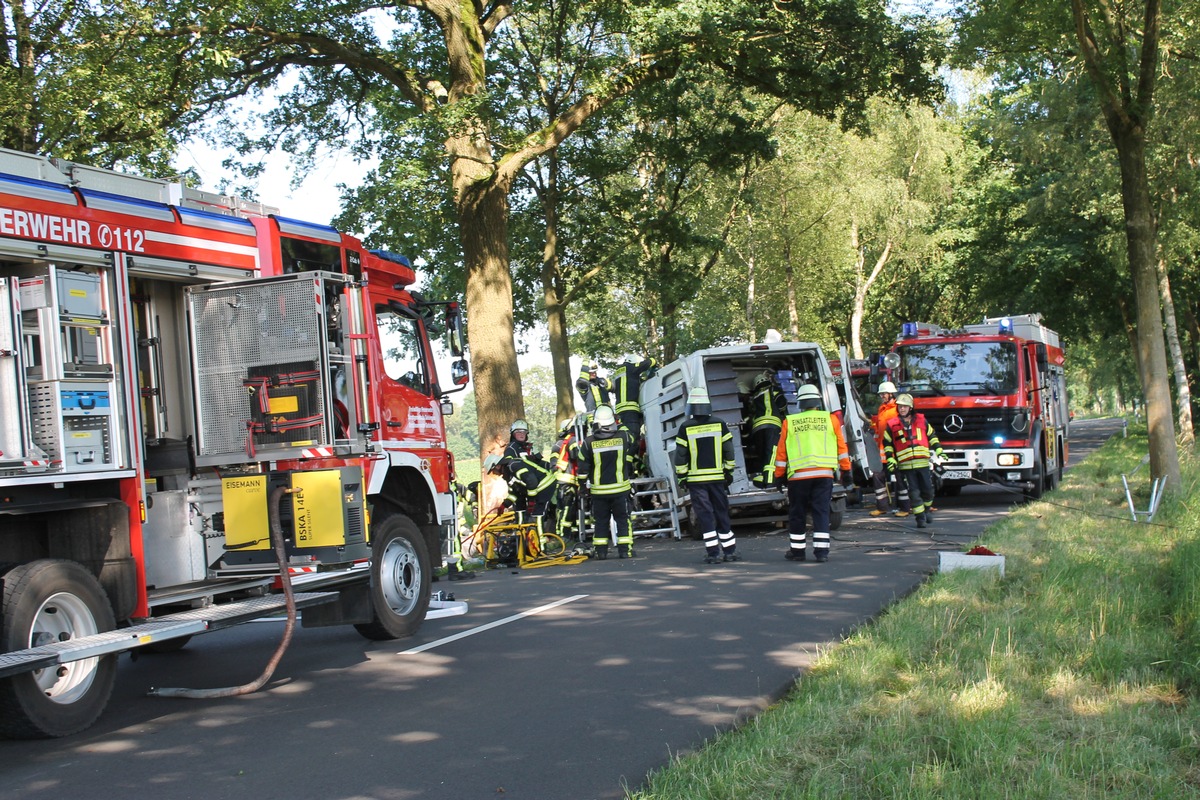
column 1009, row 459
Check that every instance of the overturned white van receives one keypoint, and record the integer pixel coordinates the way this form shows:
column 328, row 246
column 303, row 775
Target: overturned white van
column 721, row 371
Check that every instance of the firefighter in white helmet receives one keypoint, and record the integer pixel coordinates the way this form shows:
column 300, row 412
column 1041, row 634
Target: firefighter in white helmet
column 811, row 448
column 704, row 467
column 606, row 464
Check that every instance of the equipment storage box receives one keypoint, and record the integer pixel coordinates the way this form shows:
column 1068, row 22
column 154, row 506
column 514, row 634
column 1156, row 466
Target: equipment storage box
column 73, row 423
column 261, row 363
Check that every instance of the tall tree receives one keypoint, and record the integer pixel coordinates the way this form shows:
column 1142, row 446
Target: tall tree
column 828, row 55
column 93, row 82
column 1119, row 47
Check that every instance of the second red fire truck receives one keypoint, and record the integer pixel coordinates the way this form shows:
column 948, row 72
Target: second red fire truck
column 200, row 398
column 995, row 394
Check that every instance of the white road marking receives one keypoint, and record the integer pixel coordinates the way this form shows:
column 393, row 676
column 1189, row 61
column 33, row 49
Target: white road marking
column 490, row 625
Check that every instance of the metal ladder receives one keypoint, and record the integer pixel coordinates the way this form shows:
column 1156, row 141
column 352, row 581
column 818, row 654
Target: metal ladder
column 660, row 520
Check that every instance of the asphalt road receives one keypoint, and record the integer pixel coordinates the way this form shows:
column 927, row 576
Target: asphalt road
column 567, row 682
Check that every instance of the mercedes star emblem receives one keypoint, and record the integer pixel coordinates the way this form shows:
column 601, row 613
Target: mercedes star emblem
column 953, row 424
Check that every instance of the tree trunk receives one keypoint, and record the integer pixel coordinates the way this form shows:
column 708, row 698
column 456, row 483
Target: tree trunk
column 1142, row 247
column 552, row 296
column 751, row 330
column 1187, row 435
column 862, row 285
column 790, row 274
column 483, row 227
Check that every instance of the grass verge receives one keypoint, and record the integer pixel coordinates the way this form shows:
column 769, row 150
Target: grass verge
column 1072, row 677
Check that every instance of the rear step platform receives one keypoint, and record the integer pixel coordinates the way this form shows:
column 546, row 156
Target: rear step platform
column 171, row 626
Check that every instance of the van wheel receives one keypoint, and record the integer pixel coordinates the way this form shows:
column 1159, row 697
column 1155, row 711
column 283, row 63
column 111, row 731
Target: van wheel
column 49, row 601
column 400, row 580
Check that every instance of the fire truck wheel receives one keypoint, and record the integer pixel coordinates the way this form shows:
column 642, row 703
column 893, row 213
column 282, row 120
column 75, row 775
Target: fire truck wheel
column 54, row 601
column 400, row 579
column 1037, row 479
column 835, row 519
column 693, row 524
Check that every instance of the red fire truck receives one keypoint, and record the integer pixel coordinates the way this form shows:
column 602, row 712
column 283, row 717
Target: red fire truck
column 203, row 403
column 995, row 394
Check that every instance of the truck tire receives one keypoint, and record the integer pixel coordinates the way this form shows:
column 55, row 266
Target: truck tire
column 47, row 601
column 400, row 580
column 1037, row 479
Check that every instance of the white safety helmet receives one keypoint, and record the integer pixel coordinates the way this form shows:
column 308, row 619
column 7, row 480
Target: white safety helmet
column 904, row 400
column 887, row 387
column 604, row 417
column 809, row 397
column 490, row 463
column 766, row 376
column 698, row 403
column 518, row 425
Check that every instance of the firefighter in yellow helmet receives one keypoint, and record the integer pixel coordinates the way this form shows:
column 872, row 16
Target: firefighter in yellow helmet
column 811, row 448
column 909, row 442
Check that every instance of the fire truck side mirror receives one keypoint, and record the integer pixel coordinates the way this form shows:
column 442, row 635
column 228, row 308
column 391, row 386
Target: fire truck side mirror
column 1043, row 358
column 454, row 326
column 460, row 373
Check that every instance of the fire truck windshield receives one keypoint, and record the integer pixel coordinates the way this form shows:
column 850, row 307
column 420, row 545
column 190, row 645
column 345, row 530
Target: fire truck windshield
column 959, row 368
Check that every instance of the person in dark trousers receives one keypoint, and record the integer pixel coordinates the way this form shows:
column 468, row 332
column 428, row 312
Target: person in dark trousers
column 704, row 468
column 626, row 388
column 518, row 447
column 566, row 473
column 605, row 464
column 909, row 444
column 811, row 447
column 532, row 478
column 879, row 422
column 768, row 407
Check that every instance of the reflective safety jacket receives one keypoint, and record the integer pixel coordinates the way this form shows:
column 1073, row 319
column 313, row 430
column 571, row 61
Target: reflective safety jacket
column 606, row 461
column 627, row 383
column 908, row 446
column 531, row 474
column 594, row 391
column 703, row 451
column 567, row 454
column 768, row 406
column 879, row 423
column 811, row 445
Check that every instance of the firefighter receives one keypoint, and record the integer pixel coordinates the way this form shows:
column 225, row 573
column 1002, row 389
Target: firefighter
column 704, row 467
column 627, row 387
column 909, row 444
column 887, row 411
column 605, row 464
column 768, row 407
column 811, row 447
column 517, row 448
column 530, row 477
column 592, row 388
column 566, row 473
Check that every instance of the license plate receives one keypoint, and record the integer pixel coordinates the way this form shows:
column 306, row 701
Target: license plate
column 956, row 475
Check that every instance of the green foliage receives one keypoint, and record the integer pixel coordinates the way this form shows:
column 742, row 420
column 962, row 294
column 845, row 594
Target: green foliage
column 1062, row 679
column 101, row 84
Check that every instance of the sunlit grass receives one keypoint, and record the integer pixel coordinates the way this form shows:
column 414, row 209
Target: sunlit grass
column 1072, row 677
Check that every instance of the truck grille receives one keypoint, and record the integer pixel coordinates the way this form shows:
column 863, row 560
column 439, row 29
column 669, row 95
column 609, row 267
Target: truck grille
column 961, row 426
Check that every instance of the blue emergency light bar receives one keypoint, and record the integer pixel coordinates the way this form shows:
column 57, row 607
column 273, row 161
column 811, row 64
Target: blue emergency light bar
column 1006, row 326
